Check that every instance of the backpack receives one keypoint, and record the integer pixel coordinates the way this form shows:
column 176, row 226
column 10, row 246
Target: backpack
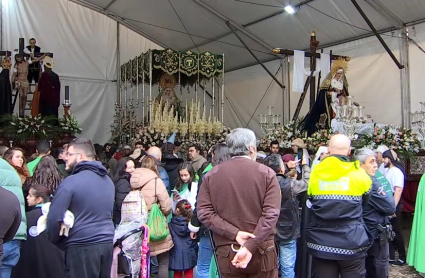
column 134, row 207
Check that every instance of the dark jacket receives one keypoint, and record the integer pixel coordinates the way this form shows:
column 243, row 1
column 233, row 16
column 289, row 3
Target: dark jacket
column 183, row 255
column 10, row 217
column 288, row 224
column 122, row 188
column 61, row 166
column 163, row 175
column 379, row 207
column 195, row 225
column 39, row 257
column 89, row 194
column 171, row 165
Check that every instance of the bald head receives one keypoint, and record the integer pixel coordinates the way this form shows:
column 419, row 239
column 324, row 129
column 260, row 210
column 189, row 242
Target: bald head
column 155, row 152
column 339, row 145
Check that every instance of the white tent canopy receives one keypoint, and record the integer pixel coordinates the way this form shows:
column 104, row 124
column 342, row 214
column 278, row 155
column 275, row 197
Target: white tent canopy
column 84, row 41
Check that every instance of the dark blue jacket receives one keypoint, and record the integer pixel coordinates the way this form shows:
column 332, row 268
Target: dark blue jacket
column 379, row 207
column 183, row 255
column 89, row 194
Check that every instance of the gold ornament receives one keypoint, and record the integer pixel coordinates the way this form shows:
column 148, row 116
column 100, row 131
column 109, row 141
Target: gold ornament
column 339, row 64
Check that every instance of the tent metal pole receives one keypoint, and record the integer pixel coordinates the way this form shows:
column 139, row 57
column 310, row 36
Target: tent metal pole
column 386, row 12
column 213, row 96
column 288, row 73
column 222, row 93
column 251, row 23
column 150, row 87
column 405, row 78
column 378, row 36
column 238, row 26
column 143, row 88
column 119, row 84
column 253, row 55
column 137, row 88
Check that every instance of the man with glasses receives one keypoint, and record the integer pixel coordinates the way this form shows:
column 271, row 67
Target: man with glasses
column 89, row 194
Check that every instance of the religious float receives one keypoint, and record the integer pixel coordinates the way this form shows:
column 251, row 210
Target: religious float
column 166, row 91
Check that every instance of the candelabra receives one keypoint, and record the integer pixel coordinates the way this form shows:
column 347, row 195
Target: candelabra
column 418, row 124
column 349, row 118
column 270, row 121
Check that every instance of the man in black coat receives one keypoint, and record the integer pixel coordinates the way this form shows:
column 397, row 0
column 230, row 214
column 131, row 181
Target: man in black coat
column 34, row 68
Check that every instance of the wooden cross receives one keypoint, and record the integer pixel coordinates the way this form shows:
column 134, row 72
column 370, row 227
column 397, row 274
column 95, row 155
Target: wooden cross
column 22, row 47
column 311, row 80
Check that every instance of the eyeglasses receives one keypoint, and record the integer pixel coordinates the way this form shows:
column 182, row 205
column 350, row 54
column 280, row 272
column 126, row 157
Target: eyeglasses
column 71, row 154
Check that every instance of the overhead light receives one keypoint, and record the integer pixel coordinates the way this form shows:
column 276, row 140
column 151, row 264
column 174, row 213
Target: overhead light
column 289, row 9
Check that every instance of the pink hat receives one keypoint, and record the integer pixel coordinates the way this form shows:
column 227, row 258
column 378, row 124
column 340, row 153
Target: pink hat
column 287, row 157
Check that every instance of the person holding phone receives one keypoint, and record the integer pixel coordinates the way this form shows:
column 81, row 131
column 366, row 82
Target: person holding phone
column 186, row 187
column 300, row 149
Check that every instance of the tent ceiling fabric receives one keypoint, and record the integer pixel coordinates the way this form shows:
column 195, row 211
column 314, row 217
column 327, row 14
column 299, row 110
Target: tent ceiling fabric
column 333, row 20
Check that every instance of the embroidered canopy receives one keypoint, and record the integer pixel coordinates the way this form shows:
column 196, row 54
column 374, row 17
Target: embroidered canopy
column 188, row 67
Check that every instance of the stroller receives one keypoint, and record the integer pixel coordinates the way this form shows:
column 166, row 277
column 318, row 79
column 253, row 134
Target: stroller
column 131, row 251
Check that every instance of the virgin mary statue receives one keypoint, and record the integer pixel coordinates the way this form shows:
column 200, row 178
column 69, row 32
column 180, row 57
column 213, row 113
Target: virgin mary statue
column 333, row 92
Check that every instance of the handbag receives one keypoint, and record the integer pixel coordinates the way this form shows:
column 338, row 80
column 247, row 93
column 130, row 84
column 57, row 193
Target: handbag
column 158, row 227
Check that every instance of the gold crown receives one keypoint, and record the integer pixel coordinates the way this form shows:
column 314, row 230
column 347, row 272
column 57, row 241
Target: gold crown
column 338, row 64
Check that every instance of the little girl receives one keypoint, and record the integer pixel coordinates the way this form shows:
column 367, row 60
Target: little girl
column 183, row 256
column 186, row 187
column 39, row 257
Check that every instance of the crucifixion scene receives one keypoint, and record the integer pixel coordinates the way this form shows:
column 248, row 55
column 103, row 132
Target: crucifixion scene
column 212, row 139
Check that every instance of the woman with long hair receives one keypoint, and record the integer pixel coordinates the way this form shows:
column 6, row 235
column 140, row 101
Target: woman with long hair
column 47, row 174
column 220, row 154
column 147, row 180
column 16, row 158
column 149, row 162
column 121, row 178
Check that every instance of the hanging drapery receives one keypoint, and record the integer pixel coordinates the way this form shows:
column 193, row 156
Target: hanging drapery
column 185, row 65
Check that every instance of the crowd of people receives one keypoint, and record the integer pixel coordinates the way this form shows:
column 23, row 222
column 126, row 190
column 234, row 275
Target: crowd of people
column 231, row 211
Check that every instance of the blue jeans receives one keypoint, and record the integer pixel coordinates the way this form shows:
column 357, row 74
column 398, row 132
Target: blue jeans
column 11, row 255
column 287, row 258
column 204, row 257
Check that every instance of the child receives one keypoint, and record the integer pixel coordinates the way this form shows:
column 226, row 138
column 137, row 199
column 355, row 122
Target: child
column 183, row 256
column 39, row 257
column 186, row 187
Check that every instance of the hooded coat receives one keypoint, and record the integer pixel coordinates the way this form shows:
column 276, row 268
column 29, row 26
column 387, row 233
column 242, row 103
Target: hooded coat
column 89, row 194
column 184, row 254
column 144, row 179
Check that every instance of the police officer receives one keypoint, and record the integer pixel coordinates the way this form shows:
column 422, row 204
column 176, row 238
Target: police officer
column 376, row 217
column 336, row 235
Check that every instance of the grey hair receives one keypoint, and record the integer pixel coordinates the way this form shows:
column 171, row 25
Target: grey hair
column 239, row 140
column 362, row 154
column 274, row 161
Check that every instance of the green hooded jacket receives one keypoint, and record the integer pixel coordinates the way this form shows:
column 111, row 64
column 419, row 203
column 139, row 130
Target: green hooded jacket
column 10, row 180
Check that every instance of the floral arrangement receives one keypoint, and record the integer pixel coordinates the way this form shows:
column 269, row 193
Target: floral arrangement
column 285, row 134
column 150, row 136
column 70, row 125
column 397, row 138
column 318, row 139
column 153, row 137
column 29, row 127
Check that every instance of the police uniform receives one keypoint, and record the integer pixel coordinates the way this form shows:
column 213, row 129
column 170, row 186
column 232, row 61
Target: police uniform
column 336, row 234
column 375, row 215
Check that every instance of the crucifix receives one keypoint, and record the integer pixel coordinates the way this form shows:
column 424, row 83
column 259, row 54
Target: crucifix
column 311, row 80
